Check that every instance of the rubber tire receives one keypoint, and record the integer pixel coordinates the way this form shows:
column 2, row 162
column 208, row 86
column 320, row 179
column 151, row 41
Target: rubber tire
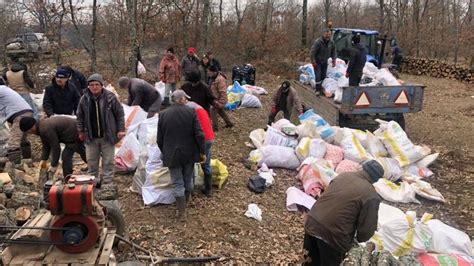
column 115, row 217
column 400, row 119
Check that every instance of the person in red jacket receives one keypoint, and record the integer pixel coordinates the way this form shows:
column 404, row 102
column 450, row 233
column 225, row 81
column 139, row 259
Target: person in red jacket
column 206, row 126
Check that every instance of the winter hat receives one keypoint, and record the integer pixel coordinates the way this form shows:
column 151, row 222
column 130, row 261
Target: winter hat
column 123, row 82
column 374, row 169
column 213, row 68
column 170, row 49
column 26, row 123
column 178, row 94
column 191, row 50
column 96, row 77
column 62, row 73
column 194, row 76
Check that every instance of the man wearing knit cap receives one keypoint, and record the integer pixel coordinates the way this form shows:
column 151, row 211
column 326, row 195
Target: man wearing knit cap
column 141, row 93
column 347, row 208
column 100, row 124
column 61, row 96
column 218, row 86
column 190, row 62
column 53, row 131
column 199, row 92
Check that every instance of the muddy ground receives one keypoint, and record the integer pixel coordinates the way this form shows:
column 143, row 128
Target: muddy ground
column 217, row 226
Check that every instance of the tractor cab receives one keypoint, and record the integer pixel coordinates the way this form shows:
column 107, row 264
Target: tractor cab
column 342, row 38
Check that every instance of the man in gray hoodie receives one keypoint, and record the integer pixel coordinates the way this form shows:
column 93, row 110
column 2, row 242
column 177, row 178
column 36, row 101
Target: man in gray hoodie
column 12, row 108
column 322, row 49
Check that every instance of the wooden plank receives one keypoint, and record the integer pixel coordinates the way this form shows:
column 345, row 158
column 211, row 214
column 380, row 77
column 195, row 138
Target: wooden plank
column 43, row 221
column 107, row 248
column 57, row 256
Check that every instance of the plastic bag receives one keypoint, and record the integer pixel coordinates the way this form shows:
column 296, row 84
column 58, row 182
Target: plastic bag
column 347, row 166
column 309, row 70
column 338, row 95
column 296, row 197
column 343, row 82
column 161, row 88
column 397, row 143
column 310, row 148
column 404, row 236
column 257, row 137
column 383, row 75
column 330, row 86
column 253, row 211
column 275, row 156
column 278, row 125
column 390, row 191
column 126, row 159
column 256, row 90
column 147, row 131
column 449, row 240
column 428, row 160
column 234, row 96
column 140, row 68
column 323, row 128
column 304, row 79
column 424, row 189
column 219, row 173
column 140, row 174
column 275, row 137
column 415, row 169
column 250, row 101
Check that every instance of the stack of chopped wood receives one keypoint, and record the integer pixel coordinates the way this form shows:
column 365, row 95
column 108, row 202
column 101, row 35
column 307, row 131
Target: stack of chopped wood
column 436, row 68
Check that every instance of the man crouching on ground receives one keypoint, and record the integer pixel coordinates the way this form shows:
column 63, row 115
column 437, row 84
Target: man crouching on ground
column 349, row 207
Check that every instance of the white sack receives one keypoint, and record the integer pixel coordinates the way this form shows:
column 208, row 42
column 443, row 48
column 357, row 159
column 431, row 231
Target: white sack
column 424, row 189
column 310, row 148
column 449, row 240
column 126, row 158
column 392, row 170
column 255, row 89
column 275, row 137
column 375, row 146
column 257, row 137
column 275, row 156
column 387, row 214
column 160, row 87
column 140, row 68
column 307, row 129
column 353, row 149
column 390, row 191
column 250, row 101
column 383, row 75
column 253, row 211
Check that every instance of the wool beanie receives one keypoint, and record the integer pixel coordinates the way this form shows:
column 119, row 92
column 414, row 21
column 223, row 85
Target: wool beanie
column 123, row 82
column 374, row 169
column 96, row 77
column 26, row 123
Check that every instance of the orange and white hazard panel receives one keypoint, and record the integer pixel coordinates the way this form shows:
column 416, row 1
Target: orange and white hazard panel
column 402, row 98
column 362, row 101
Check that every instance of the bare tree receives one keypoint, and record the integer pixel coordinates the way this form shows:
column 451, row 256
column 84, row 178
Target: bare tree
column 58, row 50
column 304, row 25
column 327, row 9
column 205, row 23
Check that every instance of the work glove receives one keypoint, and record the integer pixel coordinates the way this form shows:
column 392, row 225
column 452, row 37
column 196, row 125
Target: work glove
column 42, row 165
column 202, row 158
column 347, row 74
column 314, row 65
column 274, row 110
column 333, row 63
column 120, row 135
column 82, row 136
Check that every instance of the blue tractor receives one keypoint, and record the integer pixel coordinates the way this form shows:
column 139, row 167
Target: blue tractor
column 370, row 38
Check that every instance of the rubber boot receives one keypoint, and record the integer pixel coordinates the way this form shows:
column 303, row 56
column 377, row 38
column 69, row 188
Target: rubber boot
column 207, row 186
column 187, row 194
column 181, row 208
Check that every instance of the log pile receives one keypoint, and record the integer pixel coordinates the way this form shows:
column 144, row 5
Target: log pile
column 436, row 68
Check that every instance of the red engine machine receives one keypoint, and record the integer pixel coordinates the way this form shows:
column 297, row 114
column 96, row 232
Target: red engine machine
column 78, row 218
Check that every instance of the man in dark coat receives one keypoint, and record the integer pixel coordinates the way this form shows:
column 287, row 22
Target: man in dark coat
column 181, row 141
column 347, row 208
column 356, row 61
column 142, row 93
column 199, row 92
column 77, row 78
column 61, row 97
column 213, row 61
column 322, row 49
column 285, row 99
column 53, row 131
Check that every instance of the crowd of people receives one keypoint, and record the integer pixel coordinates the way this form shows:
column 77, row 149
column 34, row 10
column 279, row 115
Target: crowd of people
column 185, row 135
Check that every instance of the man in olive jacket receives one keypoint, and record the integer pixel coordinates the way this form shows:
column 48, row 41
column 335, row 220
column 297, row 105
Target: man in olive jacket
column 101, row 124
column 181, row 141
column 347, row 208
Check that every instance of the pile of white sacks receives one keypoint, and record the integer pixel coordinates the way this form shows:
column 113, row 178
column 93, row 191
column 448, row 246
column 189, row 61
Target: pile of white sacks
column 336, row 80
column 319, row 152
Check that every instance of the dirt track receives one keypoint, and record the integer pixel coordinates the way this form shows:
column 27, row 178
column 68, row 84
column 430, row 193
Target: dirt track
column 218, row 226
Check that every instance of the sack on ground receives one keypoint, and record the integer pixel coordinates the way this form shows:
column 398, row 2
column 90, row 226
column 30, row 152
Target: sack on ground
column 275, row 156
column 219, row 173
column 397, row 143
column 296, row 198
column 126, row 158
column 234, row 96
column 390, row 191
column 431, row 259
column 347, row 166
column 310, row 148
column 275, row 137
column 307, row 129
column 404, row 236
column 250, row 101
column 257, row 137
column 375, row 146
column 424, row 189
column 323, row 128
column 278, row 125
column 353, row 149
column 392, row 170
column 315, row 175
column 334, row 155
column 387, row 214
column 256, row 90
column 449, row 240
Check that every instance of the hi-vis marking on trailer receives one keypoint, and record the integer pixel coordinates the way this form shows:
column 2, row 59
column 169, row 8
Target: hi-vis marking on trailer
column 402, row 98
column 363, row 100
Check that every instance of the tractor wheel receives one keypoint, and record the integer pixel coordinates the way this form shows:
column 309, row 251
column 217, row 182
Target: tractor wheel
column 400, row 119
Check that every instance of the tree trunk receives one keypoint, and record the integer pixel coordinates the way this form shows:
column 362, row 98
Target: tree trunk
column 135, row 49
column 93, row 38
column 221, row 19
column 205, row 23
column 58, row 57
column 327, row 9
column 381, row 16
column 304, row 25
